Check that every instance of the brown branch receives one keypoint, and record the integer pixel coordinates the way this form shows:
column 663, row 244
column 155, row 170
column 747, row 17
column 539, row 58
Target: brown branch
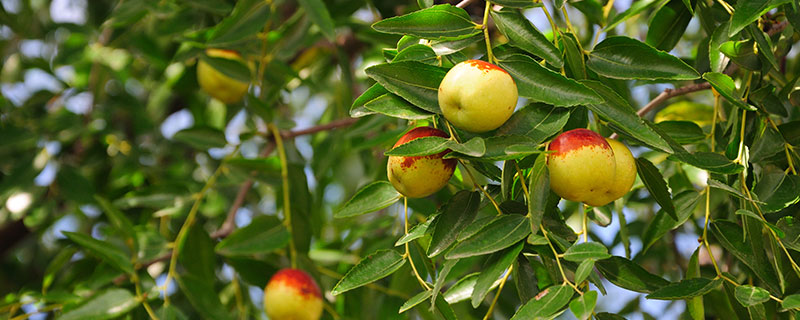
column 464, row 3
column 328, row 126
column 669, row 93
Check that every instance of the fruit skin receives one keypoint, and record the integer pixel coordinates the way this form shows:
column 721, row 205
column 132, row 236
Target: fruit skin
column 582, row 166
column 477, row 96
column 417, row 177
column 216, row 83
column 292, row 294
column 625, row 173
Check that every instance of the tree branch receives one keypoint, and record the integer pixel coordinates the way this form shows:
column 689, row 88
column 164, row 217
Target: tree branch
column 669, row 93
column 464, row 3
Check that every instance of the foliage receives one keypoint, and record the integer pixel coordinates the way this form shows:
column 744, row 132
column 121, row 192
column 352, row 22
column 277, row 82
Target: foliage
column 129, row 192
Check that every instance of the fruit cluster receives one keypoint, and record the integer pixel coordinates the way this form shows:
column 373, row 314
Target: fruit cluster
column 477, row 96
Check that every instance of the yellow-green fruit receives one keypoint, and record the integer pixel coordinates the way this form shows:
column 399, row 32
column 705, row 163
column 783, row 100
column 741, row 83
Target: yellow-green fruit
column 216, row 83
column 582, row 166
column 625, row 173
column 292, row 294
column 477, row 96
column 417, row 177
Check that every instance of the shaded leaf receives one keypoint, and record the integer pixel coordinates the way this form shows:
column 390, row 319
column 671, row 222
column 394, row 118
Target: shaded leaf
column 629, row 275
column 370, row 198
column 626, row 58
column 457, row 214
column 524, row 35
column 107, row 304
column 439, row 21
column 749, row 296
column 111, row 254
column 371, row 268
column 586, row 250
column 687, row 288
column 503, row 232
column 541, row 84
column 263, row 235
column 546, row 304
column 414, row 81
column 656, row 185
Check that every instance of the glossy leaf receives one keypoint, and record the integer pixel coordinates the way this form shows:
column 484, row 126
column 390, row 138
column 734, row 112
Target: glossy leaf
column 503, row 232
column 791, row 301
column 717, row 59
column 546, row 304
column 374, row 92
column 586, row 250
column 669, row 24
column 629, row 275
column 778, row 190
column 492, row 272
column 749, row 296
column 394, row 106
column 747, row 12
column 584, row 269
column 439, row 21
column 524, row 35
column 727, row 89
column 684, row 202
column 414, row 81
column 456, row 215
column 516, row 3
column 635, row 8
column 416, row 232
column 685, row 289
column 415, row 300
column 538, row 121
column 372, row 197
column 583, row 306
column 538, row 83
column 370, row 269
column 626, row 58
column 656, row 185
column 539, row 192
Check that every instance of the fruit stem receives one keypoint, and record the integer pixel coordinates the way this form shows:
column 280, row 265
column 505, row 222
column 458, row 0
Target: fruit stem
column 181, row 238
column 714, row 118
column 705, row 231
column 497, row 294
column 553, row 26
column 139, row 296
column 485, row 27
column 522, row 181
column 558, row 261
column 408, row 253
column 287, row 209
column 585, row 229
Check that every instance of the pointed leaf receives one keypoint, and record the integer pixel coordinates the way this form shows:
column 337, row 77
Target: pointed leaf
column 635, row 8
column 394, row 106
column 656, row 185
column 319, row 14
column 749, row 296
column 439, row 21
column 629, row 275
column 457, row 214
column 539, row 192
column 537, row 121
column 107, row 304
column 503, row 232
column 415, row 300
column 493, row 272
column 583, row 306
column 108, row 253
column 747, row 12
column 202, row 295
column 416, row 232
column 541, row 84
column 583, row 270
column 546, row 304
column 201, row 137
column 727, row 89
column 668, row 25
column 687, row 288
column 778, row 190
column 370, row 269
column 370, row 198
column 586, row 250
column 791, row 302
column 626, row 58
column 524, row 35
column 414, row 81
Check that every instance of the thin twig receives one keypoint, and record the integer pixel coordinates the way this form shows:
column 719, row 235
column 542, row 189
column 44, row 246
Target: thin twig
column 666, row 95
column 464, row 3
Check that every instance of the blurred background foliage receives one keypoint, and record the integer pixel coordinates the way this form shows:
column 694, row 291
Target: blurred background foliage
column 105, row 133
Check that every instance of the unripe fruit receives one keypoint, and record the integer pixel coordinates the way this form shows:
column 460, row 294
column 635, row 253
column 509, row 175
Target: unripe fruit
column 625, row 173
column 582, row 166
column 417, row 177
column 292, row 294
column 216, row 83
column 477, row 96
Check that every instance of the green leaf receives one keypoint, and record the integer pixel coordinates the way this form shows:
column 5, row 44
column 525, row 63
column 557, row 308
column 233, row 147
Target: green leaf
column 539, row 189
column 618, row 111
column 524, row 35
column 609, row 316
column 747, row 12
column 263, row 235
column 441, row 278
column 695, row 305
column 245, row 21
column 452, row 46
column 201, row 294
column 538, row 83
column 370, row 198
column 626, row 58
column 743, row 53
column 319, row 14
column 574, row 56
column 538, row 121
column 791, row 302
column 724, row 187
column 766, row 98
column 717, row 59
column 414, row 81
column 684, row 132
column 417, row 52
column 74, row 185
column 684, row 202
column 791, row 230
column 730, row 236
column 585, row 251
column 767, row 224
column 635, row 8
column 394, row 106
column 416, row 232
column 764, row 46
column 371, row 268
column 629, row 275
column 118, row 220
column 656, row 185
column 500, row 261
column 517, row 3
column 749, row 296
column 583, row 270
column 778, row 190
column 546, row 304
column 108, row 253
column 196, row 255
column 583, row 306
column 474, row 147
column 711, row 161
column 727, row 89
column 687, row 288
column 374, row 92
column 201, row 137
column 668, row 25
column 108, row 304
column 503, row 232
column 420, row 147
column 457, row 214
column 436, row 22
column 415, row 300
